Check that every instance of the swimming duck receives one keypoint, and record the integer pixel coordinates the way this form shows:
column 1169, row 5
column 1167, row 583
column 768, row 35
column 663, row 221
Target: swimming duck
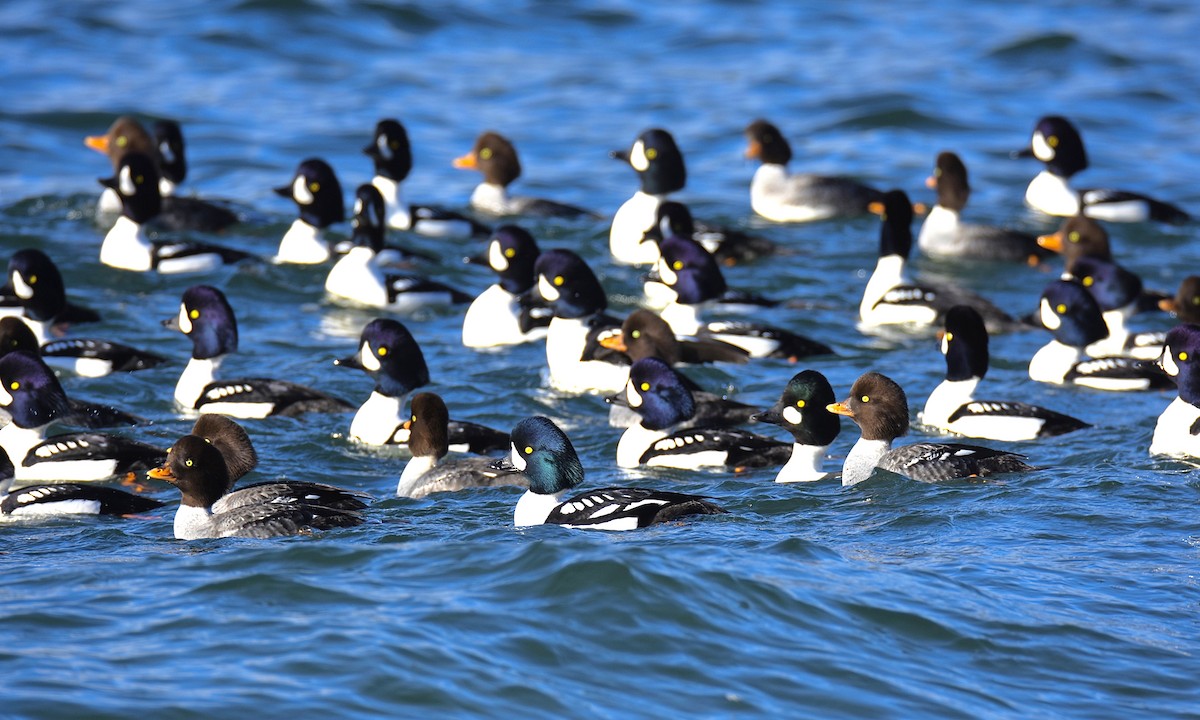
column 1177, row 431
column 318, row 196
column 781, row 196
column 545, row 454
column 206, row 317
column 803, row 410
column 1118, row 294
column 498, row 316
column 66, row 498
column 952, row 406
column 943, row 234
column 495, row 157
column 880, row 409
column 1059, row 146
column 1186, row 304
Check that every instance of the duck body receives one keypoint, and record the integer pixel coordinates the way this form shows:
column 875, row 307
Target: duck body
column 499, row 315
column 803, row 411
column 495, row 156
column 1177, row 431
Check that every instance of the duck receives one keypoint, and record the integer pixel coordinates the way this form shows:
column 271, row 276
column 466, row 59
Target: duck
column 1071, row 314
column 943, row 234
column 318, row 196
column 952, row 406
column 1059, row 146
column 780, row 196
column 890, row 298
column 126, row 246
column 206, row 317
column 1118, row 294
column 661, row 171
column 33, row 397
column 38, row 285
column 181, row 212
column 663, row 402
column 878, row 405
column 66, row 498
column 1080, row 236
column 369, row 229
column 692, row 281
column 391, row 154
column 803, row 411
column 197, row 468
column 544, row 453
column 1185, row 305
column 392, row 357
column 1177, row 431
column 15, row 336
column 125, row 135
column 428, row 471
column 358, row 278
column 577, row 362
column 497, row 317
column 494, row 156
column 233, row 442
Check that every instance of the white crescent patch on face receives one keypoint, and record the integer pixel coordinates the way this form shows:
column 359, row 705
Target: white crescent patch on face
column 1168, row 362
column 164, row 149
column 666, row 273
column 385, row 151
column 637, row 157
column 1041, row 149
column 632, row 396
column 496, row 257
column 945, row 344
column 20, row 287
column 5, row 398
column 358, row 206
column 368, row 359
column 793, row 416
column 125, row 182
column 300, row 192
column 547, row 289
column 1049, row 318
column 517, row 461
column 185, row 322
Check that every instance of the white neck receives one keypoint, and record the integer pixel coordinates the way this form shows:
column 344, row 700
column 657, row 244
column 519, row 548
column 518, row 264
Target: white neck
column 166, row 188
column 1052, row 363
column 939, row 230
column 889, row 272
column 1172, row 432
column 1115, row 320
column 533, row 508
column 566, row 339
column 804, row 465
column 377, row 419
column 629, row 225
column 126, row 246
column 39, row 329
column 393, row 202
column 683, row 319
column 193, row 522
column 303, row 244
column 17, row 441
column 194, row 378
column 635, row 441
column 947, row 397
column 413, row 472
column 490, row 198
column 863, row 458
column 1052, row 194
column 356, row 276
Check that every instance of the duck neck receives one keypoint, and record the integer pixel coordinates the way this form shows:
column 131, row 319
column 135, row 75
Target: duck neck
column 635, row 441
column 490, row 197
column 683, row 319
column 393, row 200
column 194, row 378
column 192, row 522
column 889, row 272
column 1052, row 194
column 413, row 471
column 805, row 464
column 862, row 459
column 1052, row 363
column 947, row 397
column 377, row 419
column 533, row 508
column 303, row 244
column 126, row 246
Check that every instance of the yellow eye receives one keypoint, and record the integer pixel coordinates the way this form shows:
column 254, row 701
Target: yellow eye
column 1183, row 356
column 1052, row 141
column 485, row 154
column 1088, row 281
column 558, row 281
column 122, row 141
column 638, row 333
column 33, row 279
column 651, row 154
column 14, row 385
column 949, row 336
column 937, row 172
column 413, row 419
column 510, row 252
column 314, row 186
column 188, row 462
column 677, row 265
column 138, row 180
column 866, row 398
column 193, row 314
column 381, row 351
column 800, row 403
column 394, row 145
column 528, row 450
column 1196, row 300
column 883, row 216
column 1073, row 236
column 1060, row 308
column 644, row 386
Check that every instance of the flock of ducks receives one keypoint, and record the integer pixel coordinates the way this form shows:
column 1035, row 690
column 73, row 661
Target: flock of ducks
column 553, row 296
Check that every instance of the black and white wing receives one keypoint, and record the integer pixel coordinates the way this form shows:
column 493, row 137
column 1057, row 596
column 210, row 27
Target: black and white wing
column 1119, row 374
column 283, row 398
column 122, row 357
column 742, row 449
column 764, row 340
column 130, row 454
column 279, row 519
column 431, row 292
column 628, row 508
column 1052, row 423
column 74, row 498
column 937, row 462
column 293, row 492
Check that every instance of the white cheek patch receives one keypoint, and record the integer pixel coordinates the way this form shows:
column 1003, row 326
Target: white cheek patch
column 300, row 192
column 1168, row 363
column 164, row 149
column 368, row 359
column 385, row 152
column 637, row 157
column 1041, row 149
column 516, row 459
column 496, row 257
column 632, row 396
column 666, row 273
column 792, row 415
column 945, row 344
column 125, row 182
column 358, row 206
column 20, row 287
column 5, row 398
column 1049, row 318
column 185, row 322
column 548, row 291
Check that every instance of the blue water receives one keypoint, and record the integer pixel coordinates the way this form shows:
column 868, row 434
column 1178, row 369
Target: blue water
column 1069, row 591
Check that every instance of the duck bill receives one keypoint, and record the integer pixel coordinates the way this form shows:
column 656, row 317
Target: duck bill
column 931, row 182
column 754, row 150
column 161, row 473
column 285, row 191
column 481, row 259
column 875, row 207
column 351, row 361
column 771, row 417
column 1022, row 153
column 619, row 400
column 99, row 143
column 616, row 341
column 1168, row 305
column 466, row 162
column 1052, row 242
column 840, row 408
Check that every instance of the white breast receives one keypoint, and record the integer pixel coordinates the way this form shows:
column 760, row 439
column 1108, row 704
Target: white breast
column 356, row 277
column 126, row 247
column 302, row 244
column 630, row 223
column 861, row 460
column 493, row 320
column 491, row 198
column 773, row 195
column 1172, row 433
column 1052, row 363
column 939, row 232
column 565, row 342
column 533, row 508
column 394, row 206
column 1052, row 195
column 805, row 464
column 377, row 419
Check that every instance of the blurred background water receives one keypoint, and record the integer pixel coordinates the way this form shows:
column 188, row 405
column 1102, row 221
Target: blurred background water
column 1070, row 591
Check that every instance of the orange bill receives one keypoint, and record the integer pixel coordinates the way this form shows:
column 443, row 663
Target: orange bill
column 840, row 408
column 931, row 182
column 875, row 207
column 99, row 143
column 466, row 162
column 616, row 341
column 161, row 473
column 1052, row 242
column 1168, row 305
column 754, row 150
